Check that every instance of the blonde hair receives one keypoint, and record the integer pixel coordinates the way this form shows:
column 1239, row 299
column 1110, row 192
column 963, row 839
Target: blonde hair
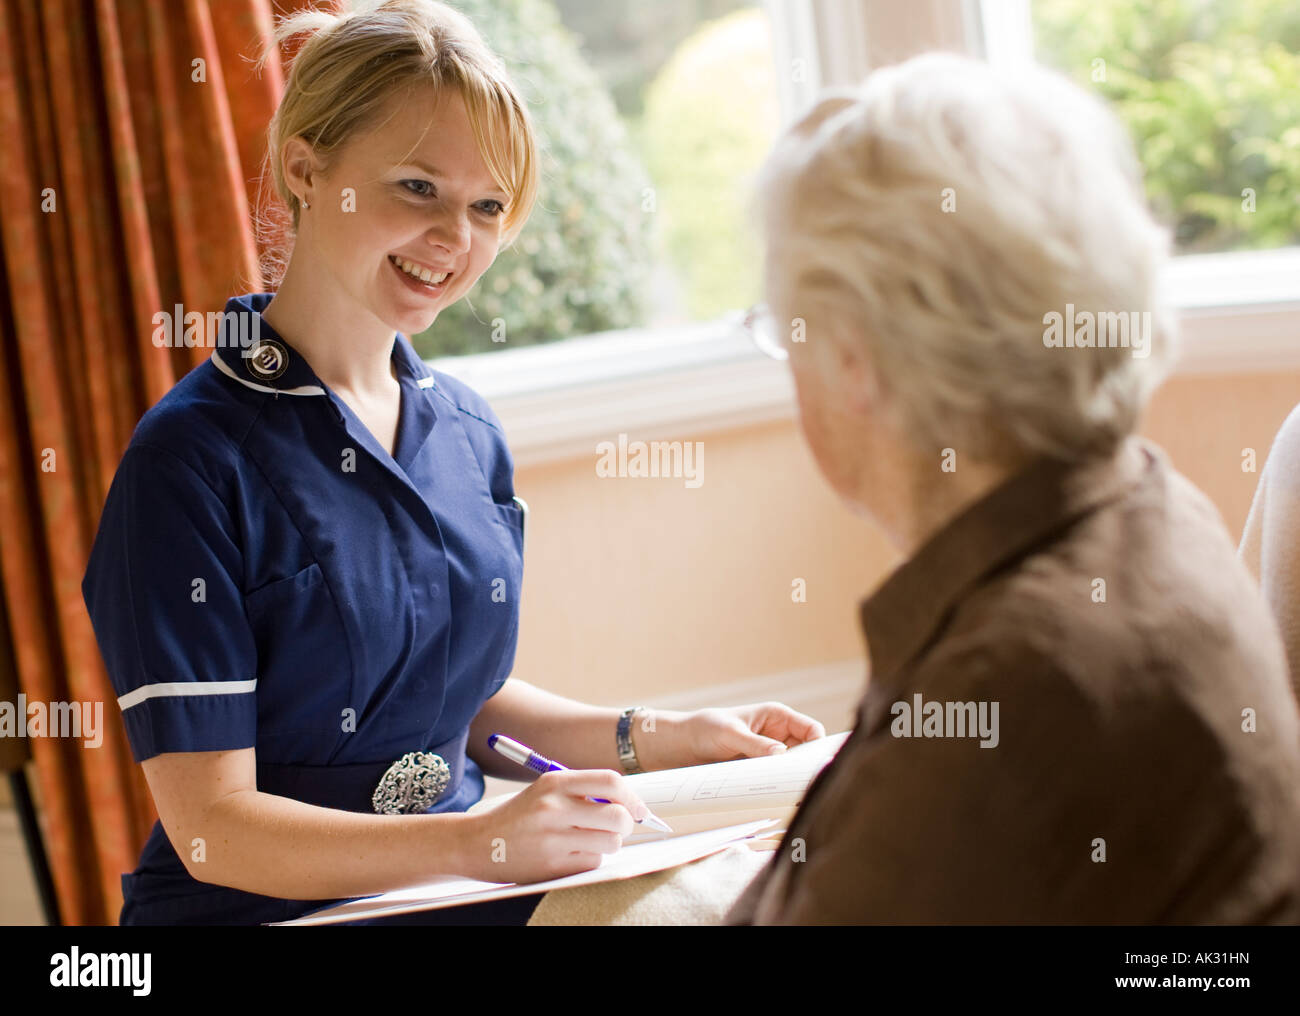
column 1045, row 208
column 354, row 62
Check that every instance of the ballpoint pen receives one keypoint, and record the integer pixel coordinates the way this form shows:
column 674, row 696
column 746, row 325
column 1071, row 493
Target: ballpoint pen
column 539, row 763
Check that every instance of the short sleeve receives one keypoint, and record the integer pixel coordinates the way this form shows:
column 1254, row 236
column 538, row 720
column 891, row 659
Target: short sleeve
column 164, row 591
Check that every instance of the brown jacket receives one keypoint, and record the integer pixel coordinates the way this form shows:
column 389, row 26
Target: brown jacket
column 1143, row 761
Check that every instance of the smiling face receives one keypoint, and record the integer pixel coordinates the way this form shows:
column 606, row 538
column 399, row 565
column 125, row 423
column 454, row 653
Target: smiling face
column 427, row 213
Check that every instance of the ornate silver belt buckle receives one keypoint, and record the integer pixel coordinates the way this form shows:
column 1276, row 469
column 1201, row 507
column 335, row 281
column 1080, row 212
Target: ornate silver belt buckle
column 412, row 784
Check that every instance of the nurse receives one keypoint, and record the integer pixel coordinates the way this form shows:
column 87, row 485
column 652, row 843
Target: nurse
column 306, row 579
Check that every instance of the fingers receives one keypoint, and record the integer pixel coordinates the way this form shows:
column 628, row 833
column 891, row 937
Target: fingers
column 589, row 841
column 554, row 828
column 779, row 721
column 803, row 728
column 602, row 783
column 747, row 742
column 606, row 818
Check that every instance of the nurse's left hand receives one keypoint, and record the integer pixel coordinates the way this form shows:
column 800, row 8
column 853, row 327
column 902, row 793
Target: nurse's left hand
column 667, row 740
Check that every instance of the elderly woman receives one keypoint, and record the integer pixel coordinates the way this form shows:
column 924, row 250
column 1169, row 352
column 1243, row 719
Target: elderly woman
column 1078, row 707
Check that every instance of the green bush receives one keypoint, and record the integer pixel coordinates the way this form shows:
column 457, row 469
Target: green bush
column 710, row 117
column 1211, row 95
column 581, row 262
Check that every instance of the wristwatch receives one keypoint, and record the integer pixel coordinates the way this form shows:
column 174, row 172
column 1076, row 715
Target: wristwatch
column 623, row 736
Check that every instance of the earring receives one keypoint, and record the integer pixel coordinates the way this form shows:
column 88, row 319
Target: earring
column 305, row 205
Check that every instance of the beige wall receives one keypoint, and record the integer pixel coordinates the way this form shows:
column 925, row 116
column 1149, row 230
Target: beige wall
column 1205, row 423
column 638, row 587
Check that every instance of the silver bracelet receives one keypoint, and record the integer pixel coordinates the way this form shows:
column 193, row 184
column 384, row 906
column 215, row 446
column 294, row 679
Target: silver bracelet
column 623, row 738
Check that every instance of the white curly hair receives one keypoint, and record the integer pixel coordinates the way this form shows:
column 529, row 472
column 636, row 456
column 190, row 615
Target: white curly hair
column 947, row 209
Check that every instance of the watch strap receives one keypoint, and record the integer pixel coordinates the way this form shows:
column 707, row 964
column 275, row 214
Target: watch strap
column 623, row 736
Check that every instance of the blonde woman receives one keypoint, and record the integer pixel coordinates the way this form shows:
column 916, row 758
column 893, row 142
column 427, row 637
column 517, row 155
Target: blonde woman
column 1078, row 709
column 307, row 575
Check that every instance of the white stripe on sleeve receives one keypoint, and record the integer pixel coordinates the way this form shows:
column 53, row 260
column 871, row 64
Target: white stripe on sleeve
column 176, row 688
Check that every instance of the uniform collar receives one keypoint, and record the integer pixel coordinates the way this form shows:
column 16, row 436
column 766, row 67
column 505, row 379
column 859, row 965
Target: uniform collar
column 409, row 363
column 902, row 616
column 244, row 329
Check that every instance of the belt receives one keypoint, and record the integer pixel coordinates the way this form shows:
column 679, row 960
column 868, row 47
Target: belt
column 353, row 787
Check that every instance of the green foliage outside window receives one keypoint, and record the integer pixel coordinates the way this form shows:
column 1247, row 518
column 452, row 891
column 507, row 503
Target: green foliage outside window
column 580, row 263
column 1211, row 94
column 711, row 116
column 1209, row 90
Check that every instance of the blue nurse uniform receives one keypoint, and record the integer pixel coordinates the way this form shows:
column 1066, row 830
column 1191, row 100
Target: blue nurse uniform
column 267, row 576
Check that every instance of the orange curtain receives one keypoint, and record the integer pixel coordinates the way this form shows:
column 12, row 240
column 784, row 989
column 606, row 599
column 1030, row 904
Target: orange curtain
column 133, row 138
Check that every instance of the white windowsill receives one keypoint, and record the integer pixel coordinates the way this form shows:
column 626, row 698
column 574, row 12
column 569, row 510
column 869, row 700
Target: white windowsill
column 1240, row 313
column 557, row 401
column 1237, row 280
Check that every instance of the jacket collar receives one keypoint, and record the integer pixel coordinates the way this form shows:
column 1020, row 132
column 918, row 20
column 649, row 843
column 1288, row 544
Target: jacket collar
column 904, row 613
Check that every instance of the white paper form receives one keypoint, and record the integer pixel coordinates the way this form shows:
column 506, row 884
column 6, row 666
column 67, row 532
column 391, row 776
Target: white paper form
column 787, row 773
column 743, row 786
column 629, row 862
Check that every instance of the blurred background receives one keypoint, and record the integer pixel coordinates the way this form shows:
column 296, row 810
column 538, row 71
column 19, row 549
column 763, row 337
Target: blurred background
column 673, row 105
column 613, row 314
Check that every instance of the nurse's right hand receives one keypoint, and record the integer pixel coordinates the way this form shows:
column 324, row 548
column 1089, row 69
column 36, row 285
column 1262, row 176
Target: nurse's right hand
column 551, row 828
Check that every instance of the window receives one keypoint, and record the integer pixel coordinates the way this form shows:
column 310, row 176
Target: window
column 1240, row 305
column 654, row 118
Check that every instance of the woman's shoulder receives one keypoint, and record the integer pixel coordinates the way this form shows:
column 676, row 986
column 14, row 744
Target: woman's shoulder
column 202, row 421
